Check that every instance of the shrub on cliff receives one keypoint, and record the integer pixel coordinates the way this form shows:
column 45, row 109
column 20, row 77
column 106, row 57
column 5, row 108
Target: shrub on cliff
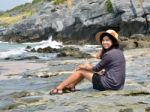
column 109, row 6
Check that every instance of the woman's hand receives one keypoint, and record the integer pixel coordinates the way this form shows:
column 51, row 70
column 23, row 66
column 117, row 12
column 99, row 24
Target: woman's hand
column 98, row 54
column 86, row 66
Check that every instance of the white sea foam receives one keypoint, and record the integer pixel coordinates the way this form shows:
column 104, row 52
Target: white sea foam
column 14, row 49
column 46, row 43
column 12, row 52
column 3, row 42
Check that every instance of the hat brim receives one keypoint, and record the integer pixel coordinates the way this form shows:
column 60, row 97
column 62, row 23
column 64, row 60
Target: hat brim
column 100, row 35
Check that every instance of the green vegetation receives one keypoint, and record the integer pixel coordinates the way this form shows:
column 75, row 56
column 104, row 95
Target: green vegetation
column 109, row 6
column 18, row 13
column 9, row 20
column 57, row 2
column 37, row 1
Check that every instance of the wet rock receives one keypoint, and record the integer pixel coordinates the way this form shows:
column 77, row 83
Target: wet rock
column 68, row 51
column 147, row 109
column 22, row 58
column 130, row 44
column 33, row 50
column 28, row 95
column 20, row 94
column 40, row 50
column 8, row 105
column 138, row 37
column 27, row 75
column 31, row 99
column 63, row 52
column 28, row 58
column 44, row 50
column 28, row 47
column 43, row 74
column 73, row 52
column 124, row 93
column 136, row 93
column 126, row 110
column 135, row 43
column 21, row 101
column 8, row 58
column 47, row 50
column 82, row 110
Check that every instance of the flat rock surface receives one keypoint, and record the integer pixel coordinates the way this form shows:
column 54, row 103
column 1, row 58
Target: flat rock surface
column 29, row 92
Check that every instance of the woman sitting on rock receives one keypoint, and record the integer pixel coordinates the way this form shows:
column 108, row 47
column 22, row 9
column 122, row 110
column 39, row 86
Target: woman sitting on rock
column 112, row 61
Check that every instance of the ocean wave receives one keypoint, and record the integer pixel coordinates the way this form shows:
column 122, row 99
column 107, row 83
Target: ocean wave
column 46, row 43
column 13, row 52
column 13, row 49
column 3, row 42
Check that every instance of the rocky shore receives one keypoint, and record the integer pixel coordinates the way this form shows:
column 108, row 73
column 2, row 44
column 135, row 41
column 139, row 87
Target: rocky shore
column 61, row 52
column 27, row 91
column 25, row 80
column 79, row 22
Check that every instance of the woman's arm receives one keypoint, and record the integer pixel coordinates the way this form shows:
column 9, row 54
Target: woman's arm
column 89, row 67
column 101, row 65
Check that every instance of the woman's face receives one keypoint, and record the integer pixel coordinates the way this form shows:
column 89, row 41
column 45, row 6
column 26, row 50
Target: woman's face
column 106, row 42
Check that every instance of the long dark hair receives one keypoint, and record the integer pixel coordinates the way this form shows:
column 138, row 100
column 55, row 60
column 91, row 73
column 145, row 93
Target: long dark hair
column 115, row 44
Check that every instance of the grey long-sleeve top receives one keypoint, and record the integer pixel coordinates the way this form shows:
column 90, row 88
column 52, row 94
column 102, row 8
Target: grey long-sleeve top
column 113, row 62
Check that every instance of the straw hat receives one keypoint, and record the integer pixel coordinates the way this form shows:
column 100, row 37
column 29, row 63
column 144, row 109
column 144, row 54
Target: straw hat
column 99, row 35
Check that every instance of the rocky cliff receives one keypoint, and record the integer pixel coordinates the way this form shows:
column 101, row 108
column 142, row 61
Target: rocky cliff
column 81, row 20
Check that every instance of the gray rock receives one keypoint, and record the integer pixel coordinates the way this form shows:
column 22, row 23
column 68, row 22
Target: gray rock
column 8, row 105
column 81, row 21
column 62, row 52
column 20, row 94
column 146, row 6
column 31, row 99
column 126, row 110
column 22, row 58
column 47, row 50
column 73, row 52
column 32, row 94
column 136, row 42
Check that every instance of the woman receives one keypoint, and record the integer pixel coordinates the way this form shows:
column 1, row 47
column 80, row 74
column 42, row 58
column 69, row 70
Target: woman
column 112, row 62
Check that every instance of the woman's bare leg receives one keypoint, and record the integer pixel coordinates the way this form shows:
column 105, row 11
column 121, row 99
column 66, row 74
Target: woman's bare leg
column 75, row 78
column 72, row 85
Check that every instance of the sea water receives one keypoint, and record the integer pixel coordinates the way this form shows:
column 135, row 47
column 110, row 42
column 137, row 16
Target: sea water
column 8, row 50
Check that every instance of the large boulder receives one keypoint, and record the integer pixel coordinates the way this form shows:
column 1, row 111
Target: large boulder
column 42, row 50
column 136, row 41
column 62, row 52
column 134, row 17
column 73, row 52
column 81, row 21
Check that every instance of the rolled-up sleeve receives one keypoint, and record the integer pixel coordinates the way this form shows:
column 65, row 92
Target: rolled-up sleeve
column 105, row 60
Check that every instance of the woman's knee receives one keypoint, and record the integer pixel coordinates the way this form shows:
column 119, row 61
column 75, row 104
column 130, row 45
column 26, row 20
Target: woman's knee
column 84, row 72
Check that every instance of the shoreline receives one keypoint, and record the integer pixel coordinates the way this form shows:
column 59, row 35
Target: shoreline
column 12, row 69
